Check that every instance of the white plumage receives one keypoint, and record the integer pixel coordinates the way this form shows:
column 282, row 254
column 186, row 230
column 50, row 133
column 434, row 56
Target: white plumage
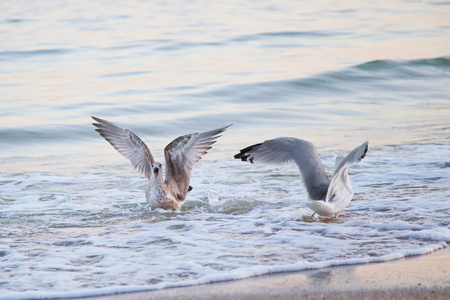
column 327, row 196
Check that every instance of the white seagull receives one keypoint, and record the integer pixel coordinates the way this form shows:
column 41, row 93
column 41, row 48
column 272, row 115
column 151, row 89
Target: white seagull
column 180, row 155
column 327, row 197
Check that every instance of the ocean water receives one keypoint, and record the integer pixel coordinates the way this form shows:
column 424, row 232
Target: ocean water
column 72, row 210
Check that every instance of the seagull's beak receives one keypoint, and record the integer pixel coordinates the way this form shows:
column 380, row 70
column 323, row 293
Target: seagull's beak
column 156, row 171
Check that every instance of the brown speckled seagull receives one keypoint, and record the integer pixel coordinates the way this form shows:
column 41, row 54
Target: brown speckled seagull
column 180, row 155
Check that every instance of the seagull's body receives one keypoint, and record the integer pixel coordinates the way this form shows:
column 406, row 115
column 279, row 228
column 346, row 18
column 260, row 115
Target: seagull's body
column 180, row 156
column 327, row 196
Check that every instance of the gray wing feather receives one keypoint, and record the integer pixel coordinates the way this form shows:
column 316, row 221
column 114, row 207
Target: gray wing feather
column 181, row 155
column 303, row 153
column 353, row 157
column 339, row 178
column 128, row 144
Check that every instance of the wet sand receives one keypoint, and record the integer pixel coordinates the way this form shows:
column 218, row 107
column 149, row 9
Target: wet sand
column 420, row 277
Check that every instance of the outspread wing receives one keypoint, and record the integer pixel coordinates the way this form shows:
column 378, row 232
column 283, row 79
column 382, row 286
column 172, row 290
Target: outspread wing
column 181, row 155
column 353, row 157
column 128, row 144
column 339, row 182
column 285, row 149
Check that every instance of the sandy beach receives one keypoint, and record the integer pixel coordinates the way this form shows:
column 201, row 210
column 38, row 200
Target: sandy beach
column 421, row 277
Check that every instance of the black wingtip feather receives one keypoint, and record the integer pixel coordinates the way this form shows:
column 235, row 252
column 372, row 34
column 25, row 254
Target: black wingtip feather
column 365, row 151
column 364, row 154
column 244, row 155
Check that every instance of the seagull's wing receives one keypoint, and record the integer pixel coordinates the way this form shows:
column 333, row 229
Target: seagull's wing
column 353, row 157
column 339, row 180
column 128, row 144
column 302, row 152
column 181, row 155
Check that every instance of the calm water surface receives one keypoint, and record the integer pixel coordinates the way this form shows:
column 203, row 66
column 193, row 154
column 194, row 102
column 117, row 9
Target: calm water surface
column 72, row 210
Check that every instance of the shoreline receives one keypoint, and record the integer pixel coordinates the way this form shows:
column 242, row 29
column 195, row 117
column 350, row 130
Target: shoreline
column 426, row 277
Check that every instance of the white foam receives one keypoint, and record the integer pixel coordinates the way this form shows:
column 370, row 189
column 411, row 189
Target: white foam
column 92, row 234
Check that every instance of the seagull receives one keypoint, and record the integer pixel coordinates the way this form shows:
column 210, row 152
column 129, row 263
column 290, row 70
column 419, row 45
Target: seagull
column 327, row 197
column 180, row 155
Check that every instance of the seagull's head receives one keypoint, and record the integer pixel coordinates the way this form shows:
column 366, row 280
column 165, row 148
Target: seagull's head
column 156, row 167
